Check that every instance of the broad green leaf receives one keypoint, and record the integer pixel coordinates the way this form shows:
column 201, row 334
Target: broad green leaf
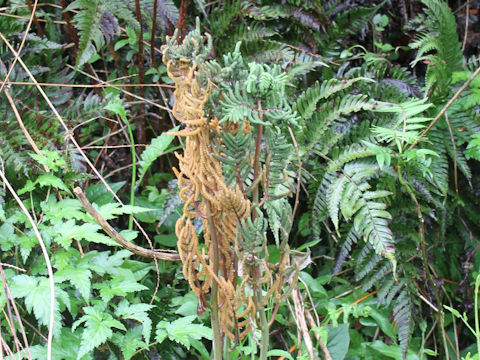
column 381, row 319
column 50, row 158
column 52, row 180
column 277, row 352
column 100, row 195
column 64, row 209
column 314, row 285
column 67, row 231
column 169, row 240
column 123, row 282
column 338, row 341
column 391, row 351
column 116, row 107
column 106, row 263
column 188, row 304
column 36, row 292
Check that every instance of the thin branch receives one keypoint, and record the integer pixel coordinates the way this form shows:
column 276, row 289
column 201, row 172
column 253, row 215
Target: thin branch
column 47, row 262
column 455, row 171
column 116, row 87
column 17, row 53
column 88, row 86
column 147, row 253
column 142, row 136
column 22, row 126
column 466, row 28
column 447, row 105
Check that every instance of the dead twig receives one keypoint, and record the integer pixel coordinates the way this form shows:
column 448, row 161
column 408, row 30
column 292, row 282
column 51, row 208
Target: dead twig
column 447, row 105
column 147, row 253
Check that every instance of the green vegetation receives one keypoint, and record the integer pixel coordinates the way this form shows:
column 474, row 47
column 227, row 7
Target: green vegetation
column 239, row 180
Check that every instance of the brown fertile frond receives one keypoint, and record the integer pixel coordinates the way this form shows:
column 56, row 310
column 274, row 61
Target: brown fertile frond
column 202, row 186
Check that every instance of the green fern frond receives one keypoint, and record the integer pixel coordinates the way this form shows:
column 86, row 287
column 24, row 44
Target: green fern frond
column 367, row 259
column 307, row 102
column 236, row 151
column 88, row 22
column 442, row 39
column 350, row 153
column 402, row 314
column 378, row 275
column 351, row 238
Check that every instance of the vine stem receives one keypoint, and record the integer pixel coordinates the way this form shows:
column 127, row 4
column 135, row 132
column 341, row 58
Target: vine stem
column 428, row 274
column 217, row 338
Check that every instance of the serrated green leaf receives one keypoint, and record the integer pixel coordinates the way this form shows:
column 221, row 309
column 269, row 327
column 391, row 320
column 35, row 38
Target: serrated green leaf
column 182, row 331
column 138, row 312
column 98, row 329
column 131, row 342
column 44, row 180
column 79, row 277
column 67, row 231
column 7, row 236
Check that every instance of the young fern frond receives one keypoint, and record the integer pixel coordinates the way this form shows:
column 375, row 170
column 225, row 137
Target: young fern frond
column 237, row 150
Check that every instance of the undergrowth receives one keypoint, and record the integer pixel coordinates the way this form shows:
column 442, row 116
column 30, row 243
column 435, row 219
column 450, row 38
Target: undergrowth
column 324, row 197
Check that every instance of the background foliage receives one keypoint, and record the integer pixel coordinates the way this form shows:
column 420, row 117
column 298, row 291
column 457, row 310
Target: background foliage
column 369, row 130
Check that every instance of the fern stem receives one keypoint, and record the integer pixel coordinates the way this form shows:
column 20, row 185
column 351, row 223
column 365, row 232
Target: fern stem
column 142, row 138
column 256, row 160
column 477, row 326
column 264, row 325
column 217, row 339
column 154, row 26
column 425, row 264
column 134, row 172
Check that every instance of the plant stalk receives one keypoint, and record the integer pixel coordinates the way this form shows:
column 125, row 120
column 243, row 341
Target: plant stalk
column 477, row 326
column 256, row 160
column 425, row 260
column 134, row 170
column 217, row 338
column 264, row 325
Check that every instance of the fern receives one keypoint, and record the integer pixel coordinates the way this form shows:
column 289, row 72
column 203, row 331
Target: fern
column 166, row 11
column 158, row 147
column 88, row 21
column 442, row 38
